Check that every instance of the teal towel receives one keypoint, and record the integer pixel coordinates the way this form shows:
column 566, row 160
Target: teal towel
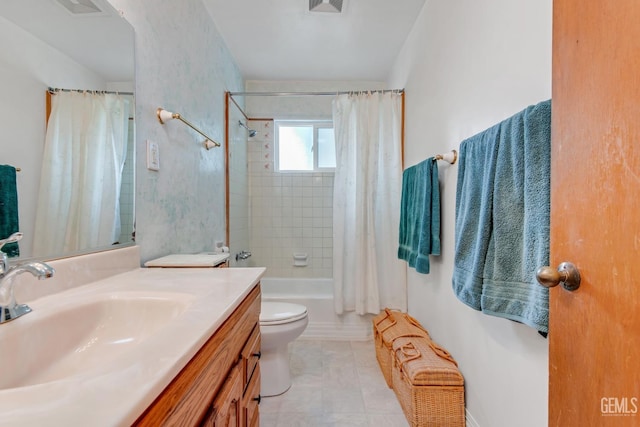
column 474, row 201
column 420, row 215
column 495, row 269
column 9, row 208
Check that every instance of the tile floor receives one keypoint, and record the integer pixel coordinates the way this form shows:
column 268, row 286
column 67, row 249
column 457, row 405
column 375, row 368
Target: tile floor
column 334, row 383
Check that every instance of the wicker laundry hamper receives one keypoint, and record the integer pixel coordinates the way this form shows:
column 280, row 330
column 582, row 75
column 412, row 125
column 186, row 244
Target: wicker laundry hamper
column 387, row 327
column 428, row 384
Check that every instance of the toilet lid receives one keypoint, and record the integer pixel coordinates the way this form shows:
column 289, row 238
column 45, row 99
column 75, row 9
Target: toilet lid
column 274, row 313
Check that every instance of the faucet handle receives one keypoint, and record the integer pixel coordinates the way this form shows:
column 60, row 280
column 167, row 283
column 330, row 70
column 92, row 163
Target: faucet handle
column 11, row 239
column 3, row 257
column 242, row 255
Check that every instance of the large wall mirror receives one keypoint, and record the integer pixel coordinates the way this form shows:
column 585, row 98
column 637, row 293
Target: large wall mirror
column 75, row 184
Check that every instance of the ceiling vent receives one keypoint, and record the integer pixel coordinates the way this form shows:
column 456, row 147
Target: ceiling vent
column 334, row 6
column 80, row 7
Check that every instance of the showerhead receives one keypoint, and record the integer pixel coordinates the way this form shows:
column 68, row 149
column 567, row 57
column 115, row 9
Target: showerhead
column 252, row 132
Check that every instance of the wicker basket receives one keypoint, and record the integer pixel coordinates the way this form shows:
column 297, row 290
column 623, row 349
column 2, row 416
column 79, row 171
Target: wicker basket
column 387, row 327
column 428, row 384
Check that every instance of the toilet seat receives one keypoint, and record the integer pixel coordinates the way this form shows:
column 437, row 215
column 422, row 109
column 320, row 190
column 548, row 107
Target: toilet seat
column 278, row 313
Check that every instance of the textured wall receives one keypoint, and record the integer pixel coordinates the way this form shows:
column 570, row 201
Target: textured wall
column 466, row 66
column 183, row 65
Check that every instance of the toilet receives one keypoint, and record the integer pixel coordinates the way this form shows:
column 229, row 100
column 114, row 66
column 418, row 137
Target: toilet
column 280, row 323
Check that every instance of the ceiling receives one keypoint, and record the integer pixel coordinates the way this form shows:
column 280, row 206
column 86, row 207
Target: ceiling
column 103, row 42
column 282, row 40
column 269, row 39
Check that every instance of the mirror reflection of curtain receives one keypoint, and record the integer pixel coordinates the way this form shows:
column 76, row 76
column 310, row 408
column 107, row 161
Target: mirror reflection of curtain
column 84, row 153
column 366, row 203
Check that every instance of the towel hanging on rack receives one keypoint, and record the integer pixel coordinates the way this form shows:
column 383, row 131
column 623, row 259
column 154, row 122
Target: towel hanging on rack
column 420, row 215
column 502, row 218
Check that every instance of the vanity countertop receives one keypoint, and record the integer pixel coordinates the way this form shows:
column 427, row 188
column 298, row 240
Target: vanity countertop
column 118, row 390
column 189, row 260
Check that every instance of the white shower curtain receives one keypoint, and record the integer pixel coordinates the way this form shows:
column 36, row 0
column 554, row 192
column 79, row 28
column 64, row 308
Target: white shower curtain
column 366, row 204
column 84, row 153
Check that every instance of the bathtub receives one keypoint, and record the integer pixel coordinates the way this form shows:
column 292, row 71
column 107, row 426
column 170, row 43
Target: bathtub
column 317, row 296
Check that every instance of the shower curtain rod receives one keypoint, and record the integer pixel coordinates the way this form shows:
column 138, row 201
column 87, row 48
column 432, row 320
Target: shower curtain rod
column 53, row 90
column 313, row 93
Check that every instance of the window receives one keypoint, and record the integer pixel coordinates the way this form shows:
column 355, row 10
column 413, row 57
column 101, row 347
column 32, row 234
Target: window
column 305, row 146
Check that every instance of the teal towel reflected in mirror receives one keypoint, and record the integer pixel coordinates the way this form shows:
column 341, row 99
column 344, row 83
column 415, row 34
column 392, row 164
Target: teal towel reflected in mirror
column 9, row 208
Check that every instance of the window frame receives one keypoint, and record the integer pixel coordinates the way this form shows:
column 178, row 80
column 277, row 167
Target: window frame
column 315, row 124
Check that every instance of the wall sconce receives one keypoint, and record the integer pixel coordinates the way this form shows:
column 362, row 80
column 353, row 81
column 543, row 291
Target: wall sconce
column 164, row 116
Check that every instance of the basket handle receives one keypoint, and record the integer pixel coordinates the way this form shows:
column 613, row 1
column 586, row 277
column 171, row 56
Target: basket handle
column 439, row 351
column 410, row 334
column 442, row 353
column 389, row 315
column 410, row 352
column 381, row 330
column 409, row 357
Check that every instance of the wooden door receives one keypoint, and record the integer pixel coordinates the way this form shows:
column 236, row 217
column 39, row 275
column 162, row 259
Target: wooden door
column 594, row 347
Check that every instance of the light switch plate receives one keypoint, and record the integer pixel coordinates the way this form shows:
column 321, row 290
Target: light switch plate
column 153, row 156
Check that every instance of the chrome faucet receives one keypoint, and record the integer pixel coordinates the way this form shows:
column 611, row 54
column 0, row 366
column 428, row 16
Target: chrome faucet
column 9, row 308
column 242, row 255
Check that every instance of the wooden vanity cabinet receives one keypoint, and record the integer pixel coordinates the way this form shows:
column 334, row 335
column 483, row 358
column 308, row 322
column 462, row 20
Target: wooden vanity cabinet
column 223, row 264
column 251, row 400
column 226, row 410
column 237, row 403
column 220, row 386
column 251, row 379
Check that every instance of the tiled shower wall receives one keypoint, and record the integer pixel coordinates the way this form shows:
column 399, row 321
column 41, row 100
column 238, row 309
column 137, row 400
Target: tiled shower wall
column 290, row 212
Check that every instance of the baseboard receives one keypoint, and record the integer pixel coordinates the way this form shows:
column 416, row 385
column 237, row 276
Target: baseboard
column 470, row 421
column 333, row 331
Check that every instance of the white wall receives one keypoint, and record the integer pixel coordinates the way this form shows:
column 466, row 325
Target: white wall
column 466, row 66
column 298, row 107
column 183, row 65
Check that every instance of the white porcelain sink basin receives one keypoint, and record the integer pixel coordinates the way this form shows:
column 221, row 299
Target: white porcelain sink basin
column 81, row 335
column 98, row 354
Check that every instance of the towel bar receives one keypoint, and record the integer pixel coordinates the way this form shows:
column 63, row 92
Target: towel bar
column 164, row 116
column 450, row 157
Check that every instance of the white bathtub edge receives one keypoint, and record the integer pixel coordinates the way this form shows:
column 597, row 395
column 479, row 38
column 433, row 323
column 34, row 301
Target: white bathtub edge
column 329, row 330
column 317, row 295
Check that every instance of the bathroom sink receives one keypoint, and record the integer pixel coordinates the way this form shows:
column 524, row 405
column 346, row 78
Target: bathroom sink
column 65, row 338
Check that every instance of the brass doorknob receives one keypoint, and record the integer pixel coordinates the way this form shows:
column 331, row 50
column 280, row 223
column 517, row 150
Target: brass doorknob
column 566, row 275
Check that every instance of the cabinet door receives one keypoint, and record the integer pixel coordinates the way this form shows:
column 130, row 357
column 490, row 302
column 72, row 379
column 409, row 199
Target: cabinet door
column 250, row 356
column 252, row 400
column 227, row 404
column 187, row 401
